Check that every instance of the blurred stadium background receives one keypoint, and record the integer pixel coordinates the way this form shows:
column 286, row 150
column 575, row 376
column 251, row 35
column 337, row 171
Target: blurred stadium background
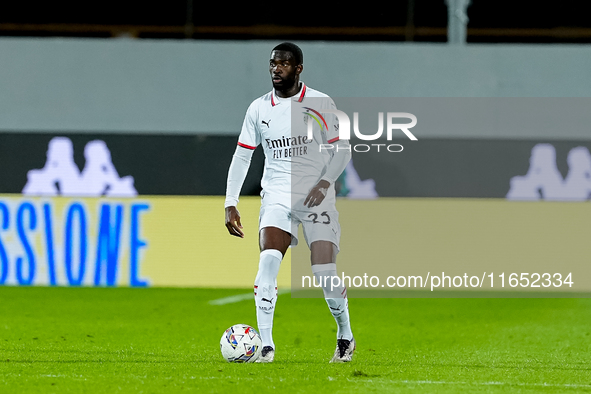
column 118, row 121
column 165, row 87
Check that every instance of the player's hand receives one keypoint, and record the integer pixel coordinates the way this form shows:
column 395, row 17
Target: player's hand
column 317, row 194
column 233, row 222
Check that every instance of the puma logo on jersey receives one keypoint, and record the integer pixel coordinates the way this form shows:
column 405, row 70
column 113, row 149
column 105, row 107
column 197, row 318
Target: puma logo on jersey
column 266, row 123
column 269, row 301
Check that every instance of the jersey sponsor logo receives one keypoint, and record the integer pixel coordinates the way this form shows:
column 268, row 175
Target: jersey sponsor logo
column 285, row 142
column 61, row 177
column 286, row 147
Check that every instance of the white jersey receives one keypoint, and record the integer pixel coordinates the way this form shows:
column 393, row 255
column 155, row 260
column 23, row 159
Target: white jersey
column 294, row 163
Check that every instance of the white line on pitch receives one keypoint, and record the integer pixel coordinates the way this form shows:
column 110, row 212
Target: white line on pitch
column 240, row 297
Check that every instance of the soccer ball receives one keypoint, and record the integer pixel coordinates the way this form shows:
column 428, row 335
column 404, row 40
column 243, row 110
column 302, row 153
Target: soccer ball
column 241, row 344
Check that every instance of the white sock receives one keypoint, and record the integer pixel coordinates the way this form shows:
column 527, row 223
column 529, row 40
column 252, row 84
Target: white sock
column 336, row 298
column 265, row 293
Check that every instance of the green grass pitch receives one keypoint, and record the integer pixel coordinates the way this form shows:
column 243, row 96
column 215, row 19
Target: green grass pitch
column 89, row 340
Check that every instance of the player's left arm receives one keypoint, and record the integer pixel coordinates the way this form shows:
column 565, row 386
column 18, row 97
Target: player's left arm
column 341, row 154
column 336, row 165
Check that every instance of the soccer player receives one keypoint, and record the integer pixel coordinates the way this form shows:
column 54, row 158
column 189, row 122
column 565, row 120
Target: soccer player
column 298, row 188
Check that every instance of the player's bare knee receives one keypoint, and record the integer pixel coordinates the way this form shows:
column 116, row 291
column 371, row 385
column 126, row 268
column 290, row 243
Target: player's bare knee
column 274, row 238
column 323, row 252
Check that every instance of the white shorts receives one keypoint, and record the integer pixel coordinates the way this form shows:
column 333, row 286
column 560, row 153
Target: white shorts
column 318, row 223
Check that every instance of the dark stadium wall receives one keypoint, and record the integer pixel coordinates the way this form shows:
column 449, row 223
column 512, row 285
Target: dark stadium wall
column 159, row 164
column 198, row 165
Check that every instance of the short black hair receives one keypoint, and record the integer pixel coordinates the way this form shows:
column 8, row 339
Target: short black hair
column 293, row 49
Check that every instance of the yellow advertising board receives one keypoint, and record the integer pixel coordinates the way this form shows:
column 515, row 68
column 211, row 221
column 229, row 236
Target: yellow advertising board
column 151, row 241
column 182, row 240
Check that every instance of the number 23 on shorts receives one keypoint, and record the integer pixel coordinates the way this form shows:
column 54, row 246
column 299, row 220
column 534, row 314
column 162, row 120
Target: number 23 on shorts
column 323, row 218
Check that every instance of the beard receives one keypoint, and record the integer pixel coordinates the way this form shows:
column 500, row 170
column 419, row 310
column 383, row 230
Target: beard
column 284, row 84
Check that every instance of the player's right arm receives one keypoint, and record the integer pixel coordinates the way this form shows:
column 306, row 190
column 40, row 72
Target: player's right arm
column 236, row 176
column 247, row 143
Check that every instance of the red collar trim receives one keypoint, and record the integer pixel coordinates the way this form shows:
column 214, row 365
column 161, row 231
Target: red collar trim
column 302, row 95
